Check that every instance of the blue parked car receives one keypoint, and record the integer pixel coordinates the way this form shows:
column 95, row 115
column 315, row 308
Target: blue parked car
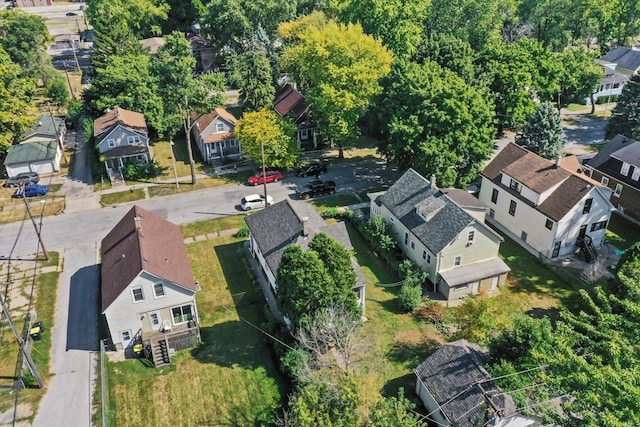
column 32, row 190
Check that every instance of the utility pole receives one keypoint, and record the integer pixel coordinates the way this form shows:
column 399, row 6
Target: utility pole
column 21, row 343
column 35, row 226
column 73, row 48
column 173, row 158
column 264, row 175
column 73, row 93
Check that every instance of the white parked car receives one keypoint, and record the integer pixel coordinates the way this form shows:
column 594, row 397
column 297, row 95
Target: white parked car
column 255, row 201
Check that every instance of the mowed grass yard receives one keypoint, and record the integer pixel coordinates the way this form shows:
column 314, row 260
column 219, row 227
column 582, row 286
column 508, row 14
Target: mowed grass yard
column 233, row 378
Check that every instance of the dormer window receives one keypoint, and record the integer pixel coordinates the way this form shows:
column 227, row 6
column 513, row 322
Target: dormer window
column 515, row 185
column 636, row 173
column 624, row 170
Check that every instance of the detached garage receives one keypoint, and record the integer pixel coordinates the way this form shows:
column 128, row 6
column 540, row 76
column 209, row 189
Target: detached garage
column 42, row 157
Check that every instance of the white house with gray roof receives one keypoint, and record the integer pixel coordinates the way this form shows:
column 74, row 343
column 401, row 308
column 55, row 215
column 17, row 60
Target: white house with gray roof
column 455, row 247
column 285, row 223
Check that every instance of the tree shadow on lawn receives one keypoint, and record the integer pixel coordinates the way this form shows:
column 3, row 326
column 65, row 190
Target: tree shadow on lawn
column 407, row 383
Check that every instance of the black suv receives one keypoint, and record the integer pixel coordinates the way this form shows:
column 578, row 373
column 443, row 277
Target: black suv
column 23, row 178
column 315, row 168
column 316, row 188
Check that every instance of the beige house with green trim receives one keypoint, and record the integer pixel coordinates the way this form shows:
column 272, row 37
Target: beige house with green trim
column 42, row 157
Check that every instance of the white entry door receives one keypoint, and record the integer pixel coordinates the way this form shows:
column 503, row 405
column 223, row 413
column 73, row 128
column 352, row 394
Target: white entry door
column 494, row 282
column 154, row 320
column 127, row 338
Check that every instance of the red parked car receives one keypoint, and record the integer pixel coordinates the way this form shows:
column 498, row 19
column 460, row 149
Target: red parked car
column 271, row 176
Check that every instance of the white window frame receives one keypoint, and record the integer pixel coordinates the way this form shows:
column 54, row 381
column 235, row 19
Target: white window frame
column 133, row 139
column 457, row 261
column 304, row 134
column 111, row 142
column 513, row 204
column 624, row 170
column 604, row 180
column 133, row 295
column 618, row 190
column 548, row 224
column 155, row 294
column 233, row 143
column 219, row 127
column 471, row 237
column 636, row 173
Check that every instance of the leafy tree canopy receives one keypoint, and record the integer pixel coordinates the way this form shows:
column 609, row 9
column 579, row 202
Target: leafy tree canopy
column 436, row 122
column 591, row 355
column 398, row 23
column 625, row 117
column 339, row 66
column 251, row 71
column 276, row 133
column 308, row 281
column 476, row 22
column 25, row 40
column 142, row 17
column 449, row 52
column 126, row 81
column 16, row 110
column 543, row 132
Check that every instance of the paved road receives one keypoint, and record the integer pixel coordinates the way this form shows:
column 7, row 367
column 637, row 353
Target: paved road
column 583, row 132
column 67, row 401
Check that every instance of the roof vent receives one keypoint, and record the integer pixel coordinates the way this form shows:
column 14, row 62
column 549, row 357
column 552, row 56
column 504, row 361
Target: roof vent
column 305, row 231
column 39, row 123
column 137, row 222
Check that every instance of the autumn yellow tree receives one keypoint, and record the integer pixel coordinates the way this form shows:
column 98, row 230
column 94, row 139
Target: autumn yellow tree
column 276, row 133
column 338, row 67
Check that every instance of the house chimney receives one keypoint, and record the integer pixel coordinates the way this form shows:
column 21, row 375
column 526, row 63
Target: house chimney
column 433, row 180
column 305, row 230
column 137, row 221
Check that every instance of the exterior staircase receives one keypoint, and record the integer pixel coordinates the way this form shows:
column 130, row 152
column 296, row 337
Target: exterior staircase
column 160, row 353
column 587, row 251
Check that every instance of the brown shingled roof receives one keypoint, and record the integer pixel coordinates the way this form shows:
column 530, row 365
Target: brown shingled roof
column 204, row 121
column 290, row 102
column 119, row 116
column 535, row 172
column 150, row 244
column 565, row 197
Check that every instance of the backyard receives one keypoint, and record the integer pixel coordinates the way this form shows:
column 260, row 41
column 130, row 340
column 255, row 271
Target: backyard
column 236, row 380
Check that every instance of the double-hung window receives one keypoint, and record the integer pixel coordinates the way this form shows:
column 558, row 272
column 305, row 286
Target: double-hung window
column 182, row 314
column 137, row 293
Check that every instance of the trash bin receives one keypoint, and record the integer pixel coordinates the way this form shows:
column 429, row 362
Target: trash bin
column 36, row 331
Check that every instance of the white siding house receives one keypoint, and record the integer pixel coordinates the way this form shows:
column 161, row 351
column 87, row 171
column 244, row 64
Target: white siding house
column 148, row 289
column 549, row 210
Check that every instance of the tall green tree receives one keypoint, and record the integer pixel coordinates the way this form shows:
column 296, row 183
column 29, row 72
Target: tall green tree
column 25, row 39
column 543, row 132
column 304, row 285
column 143, row 18
column 252, row 73
column 126, row 81
column 591, row 355
column 625, row 117
column 184, row 95
column 339, row 66
column 579, row 78
column 265, row 129
column 17, row 112
column 476, row 22
column 337, row 260
column 434, row 122
column 398, row 23
column 449, row 52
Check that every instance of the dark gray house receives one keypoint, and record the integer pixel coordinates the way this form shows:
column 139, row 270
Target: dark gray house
column 457, row 391
column 285, row 223
column 617, row 166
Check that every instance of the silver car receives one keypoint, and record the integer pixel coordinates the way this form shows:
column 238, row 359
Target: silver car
column 255, row 201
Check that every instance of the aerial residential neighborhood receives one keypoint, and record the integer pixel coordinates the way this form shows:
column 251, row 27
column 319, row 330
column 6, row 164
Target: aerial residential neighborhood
column 417, row 213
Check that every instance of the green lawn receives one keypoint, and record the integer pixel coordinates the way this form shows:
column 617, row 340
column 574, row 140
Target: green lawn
column 621, row 232
column 231, row 379
column 130, row 195
column 215, row 225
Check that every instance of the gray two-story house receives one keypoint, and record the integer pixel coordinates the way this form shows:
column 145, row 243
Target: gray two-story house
column 121, row 138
